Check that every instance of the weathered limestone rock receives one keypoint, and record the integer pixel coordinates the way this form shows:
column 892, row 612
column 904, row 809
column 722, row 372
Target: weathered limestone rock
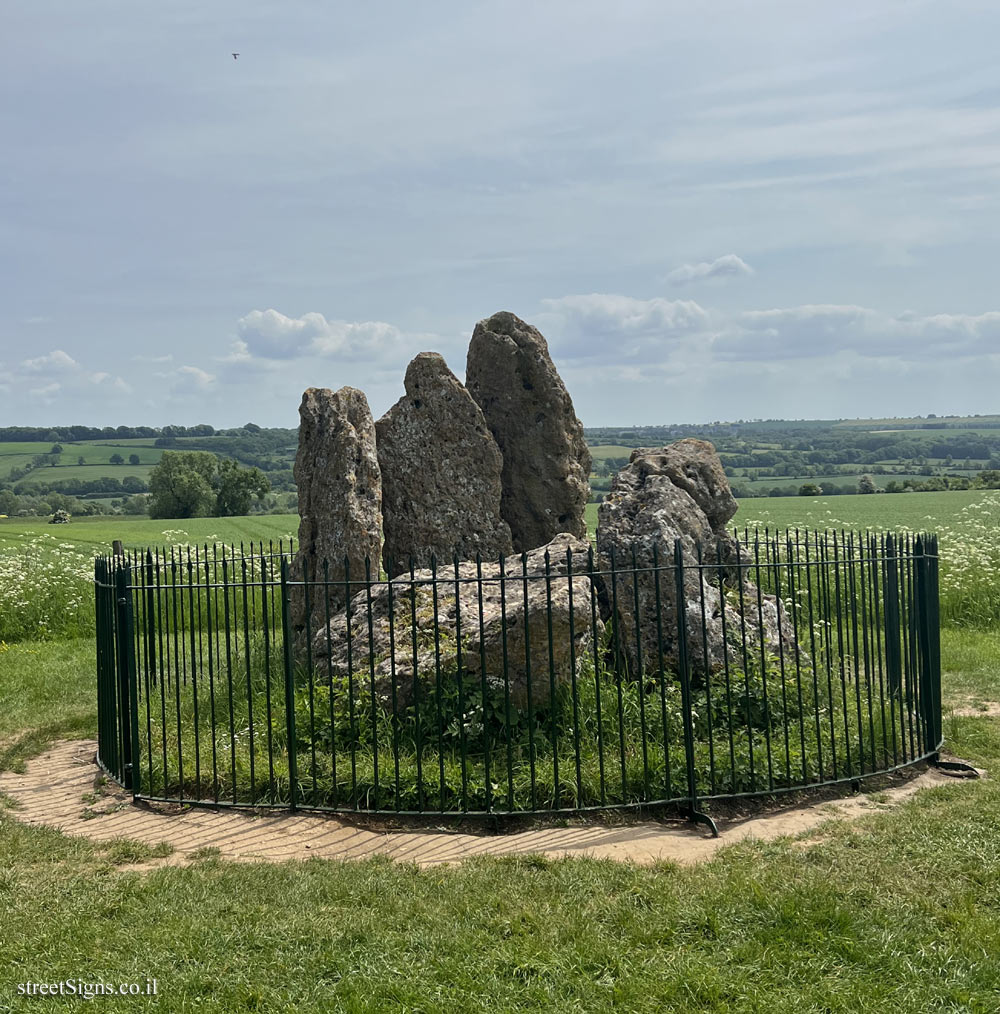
column 644, row 514
column 340, row 496
column 460, row 639
column 693, row 466
column 440, row 473
column 546, row 463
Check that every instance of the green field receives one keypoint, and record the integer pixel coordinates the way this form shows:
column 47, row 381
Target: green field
column 601, row 451
column 93, row 452
column 911, row 511
column 95, row 535
column 915, row 423
column 839, row 479
column 83, row 472
column 96, row 461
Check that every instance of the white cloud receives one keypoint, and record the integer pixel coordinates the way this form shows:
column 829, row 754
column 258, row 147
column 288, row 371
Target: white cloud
column 193, row 377
column 813, row 331
column 727, row 266
column 269, row 334
column 612, row 326
column 46, row 391
column 56, row 361
column 108, row 380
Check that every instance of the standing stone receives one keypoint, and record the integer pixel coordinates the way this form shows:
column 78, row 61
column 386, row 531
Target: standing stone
column 693, row 466
column 440, row 473
column 680, row 492
column 340, row 496
column 546, row 462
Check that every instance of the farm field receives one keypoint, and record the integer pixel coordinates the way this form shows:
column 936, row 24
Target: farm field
column 84, row 473
column 927, row 512
column 911, row 511
column 841, row 479
column 95, row 535
column 93, row 452
column 601, row 451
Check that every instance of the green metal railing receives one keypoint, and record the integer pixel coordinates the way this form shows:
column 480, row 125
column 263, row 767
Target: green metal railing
column 236, row 676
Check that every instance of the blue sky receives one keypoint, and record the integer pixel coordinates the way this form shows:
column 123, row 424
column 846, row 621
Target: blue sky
column 712, row 211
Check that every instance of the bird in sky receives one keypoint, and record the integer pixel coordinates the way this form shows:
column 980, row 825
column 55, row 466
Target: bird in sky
column 235, row 55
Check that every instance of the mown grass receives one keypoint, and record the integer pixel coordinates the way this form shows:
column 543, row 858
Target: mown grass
column 46, row 693
column 896, row 912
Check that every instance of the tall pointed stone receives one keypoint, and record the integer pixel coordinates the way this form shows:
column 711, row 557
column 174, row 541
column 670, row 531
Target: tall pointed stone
column 440, row 473
column 546, row 462
column 340, row 496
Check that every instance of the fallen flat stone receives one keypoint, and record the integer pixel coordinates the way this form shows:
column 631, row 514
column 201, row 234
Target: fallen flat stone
column 406, row 649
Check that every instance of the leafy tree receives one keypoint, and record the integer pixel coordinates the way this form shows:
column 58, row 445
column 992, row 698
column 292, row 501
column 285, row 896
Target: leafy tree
column 181, row 485
column 866, row 484
column 191, row 484
column 56, row 449
column 990, row 478
column 133, row 459
column 236, row 487
column 80, row 460
column 116, row 459
column 809, row 489
column 133, row 484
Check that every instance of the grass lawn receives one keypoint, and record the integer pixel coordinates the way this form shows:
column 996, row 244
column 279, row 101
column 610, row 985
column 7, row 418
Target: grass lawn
column 897, row 912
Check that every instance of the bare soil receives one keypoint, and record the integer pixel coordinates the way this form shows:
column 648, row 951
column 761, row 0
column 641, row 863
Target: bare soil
column 65, row 789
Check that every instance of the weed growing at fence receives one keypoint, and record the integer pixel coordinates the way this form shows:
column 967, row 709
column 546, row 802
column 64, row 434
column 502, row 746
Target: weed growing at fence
column 969, row 542
column 46, row 590
column 605, row 739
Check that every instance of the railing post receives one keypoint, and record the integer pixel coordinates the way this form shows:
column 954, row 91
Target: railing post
column 286, row 629
column 930, row 652
column 105, row 701
column 128, row 707
column 893, row 655
column 684, row 672
column 934, row 628
column 149, row 619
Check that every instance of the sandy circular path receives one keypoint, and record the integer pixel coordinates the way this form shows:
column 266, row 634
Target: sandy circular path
column 57, row 790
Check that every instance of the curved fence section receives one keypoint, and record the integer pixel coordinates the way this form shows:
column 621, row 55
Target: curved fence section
column 553, row 681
